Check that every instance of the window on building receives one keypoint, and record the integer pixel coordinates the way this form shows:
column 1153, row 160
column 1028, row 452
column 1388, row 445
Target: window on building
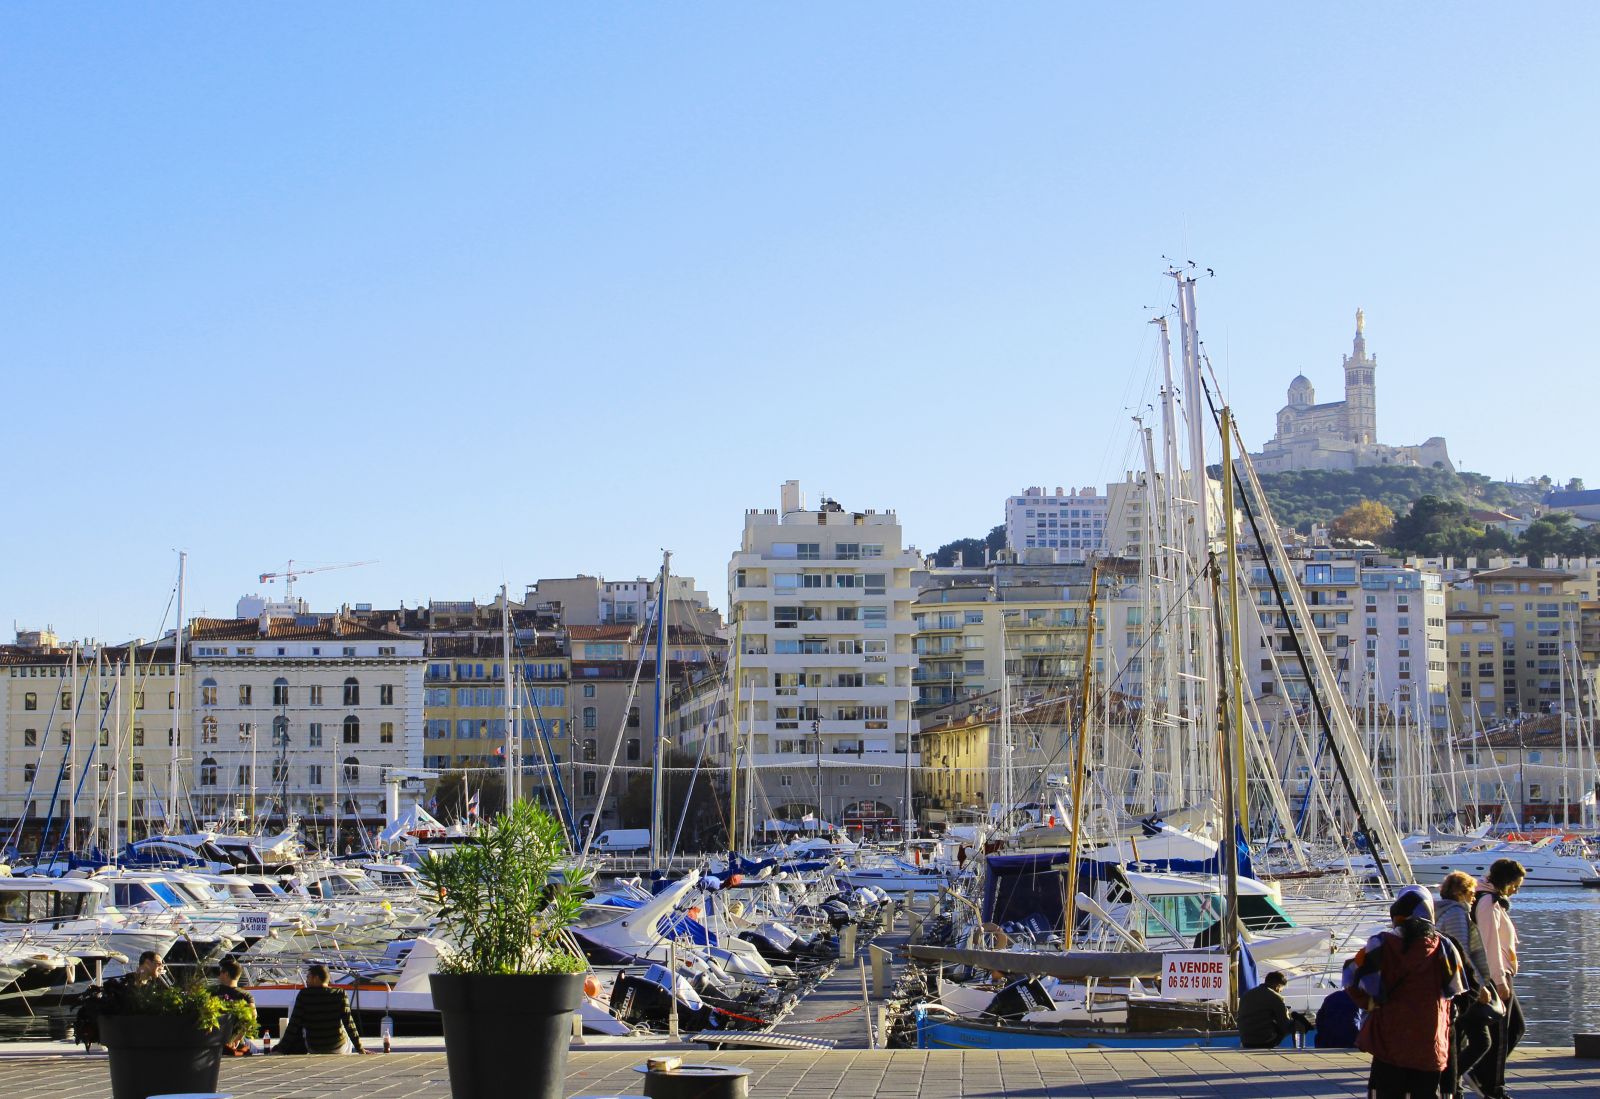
column 633, row 717
column 138, row 737
column 591, row 717
column 315, row 698
column 588, row 690
column 314, row 774
column 245, row 781
column 280, row 691
column 589, row 784
column 352, row 691
column 352, row 729
column 208, row 693
column 386, row 694
column 66, row 700
column 244, row 694
column 280, row 771
column 208, row 730
column 386, row 732
column 633, row 748
column 30, row 701
column 352, row 769
column 208, row 772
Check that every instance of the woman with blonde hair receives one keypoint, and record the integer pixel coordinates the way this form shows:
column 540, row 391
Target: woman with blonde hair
column 1474, row 1011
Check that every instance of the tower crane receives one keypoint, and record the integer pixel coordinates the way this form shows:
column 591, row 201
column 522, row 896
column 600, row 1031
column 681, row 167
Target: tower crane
column 290, row 574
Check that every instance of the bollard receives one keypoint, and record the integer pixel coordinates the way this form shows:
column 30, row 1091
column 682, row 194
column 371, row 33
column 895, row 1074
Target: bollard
column 880, row 970
column 1586, row 1046
column 847, row 941
column 696, row 1082
column 866, row 1012
column 913, row 921
column 577, row 1028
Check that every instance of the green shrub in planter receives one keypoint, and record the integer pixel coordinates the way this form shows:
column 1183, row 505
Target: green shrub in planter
column 507, row 988
column 168, row 1039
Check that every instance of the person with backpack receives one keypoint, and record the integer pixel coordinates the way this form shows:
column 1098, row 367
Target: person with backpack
column 1476, row 1010
column 1405, row 978
column 1494, row 953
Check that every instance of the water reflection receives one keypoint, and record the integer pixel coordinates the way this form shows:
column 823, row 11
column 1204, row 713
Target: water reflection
column 1559, row 932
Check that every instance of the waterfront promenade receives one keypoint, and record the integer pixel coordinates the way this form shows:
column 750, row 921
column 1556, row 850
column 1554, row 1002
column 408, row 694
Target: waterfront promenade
column 1549, row 1073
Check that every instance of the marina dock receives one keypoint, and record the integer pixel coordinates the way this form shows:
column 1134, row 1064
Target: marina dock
column 1549, row 1072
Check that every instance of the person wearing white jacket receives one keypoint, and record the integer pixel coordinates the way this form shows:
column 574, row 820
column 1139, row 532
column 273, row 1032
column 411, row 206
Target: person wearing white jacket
column 1494, row 954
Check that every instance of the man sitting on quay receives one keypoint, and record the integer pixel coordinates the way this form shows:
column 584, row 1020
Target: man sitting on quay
column 1264, row 1016
column 321, row 1019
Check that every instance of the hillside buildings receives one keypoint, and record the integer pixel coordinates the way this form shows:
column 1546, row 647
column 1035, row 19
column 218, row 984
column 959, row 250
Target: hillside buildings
column 1341, row 434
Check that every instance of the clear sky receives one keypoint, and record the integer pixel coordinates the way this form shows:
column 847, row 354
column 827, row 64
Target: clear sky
column 507, row 291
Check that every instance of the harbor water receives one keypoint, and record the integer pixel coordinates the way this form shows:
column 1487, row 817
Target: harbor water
column 1559, row 956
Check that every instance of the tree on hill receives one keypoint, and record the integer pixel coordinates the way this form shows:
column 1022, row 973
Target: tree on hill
column 1575, row 484
column 1368, row 521
column 1434, row 527
column 969, row 551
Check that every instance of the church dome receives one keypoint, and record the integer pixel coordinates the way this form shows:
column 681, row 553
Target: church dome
column 1300, row 391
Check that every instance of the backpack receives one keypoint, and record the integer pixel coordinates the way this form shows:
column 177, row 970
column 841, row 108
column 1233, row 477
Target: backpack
column 86, row 1021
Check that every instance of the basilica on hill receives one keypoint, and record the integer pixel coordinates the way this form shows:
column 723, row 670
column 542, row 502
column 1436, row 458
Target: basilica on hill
column 1341, row 434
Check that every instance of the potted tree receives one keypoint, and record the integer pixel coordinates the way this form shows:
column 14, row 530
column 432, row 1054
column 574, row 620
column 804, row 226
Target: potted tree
column 167, row 1039
column 507, row 991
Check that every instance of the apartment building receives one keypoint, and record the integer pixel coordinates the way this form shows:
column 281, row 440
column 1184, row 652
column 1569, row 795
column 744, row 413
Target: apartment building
column 1380, row 624
column 94, row 746
column 1537, row 621
column 302, row 716
column 821, row 602
column 1061, row 527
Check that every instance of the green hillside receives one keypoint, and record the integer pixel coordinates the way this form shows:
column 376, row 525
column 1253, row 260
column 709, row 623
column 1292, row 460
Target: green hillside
column 1306, row 496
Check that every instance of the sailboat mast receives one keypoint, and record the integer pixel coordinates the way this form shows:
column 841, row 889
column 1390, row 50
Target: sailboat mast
column 72, row 749
column 1180, row 669
column 1199, row 493
column 1079, row 763
column 177, row 702
column 661, row 713
column 513, row 746
column 1235, row 587
column 733, row 769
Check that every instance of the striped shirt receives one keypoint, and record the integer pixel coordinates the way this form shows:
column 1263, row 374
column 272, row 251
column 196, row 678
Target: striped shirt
column 323, row 1015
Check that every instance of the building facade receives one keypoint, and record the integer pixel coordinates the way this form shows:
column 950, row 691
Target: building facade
column 302, row 717
column 821, row 604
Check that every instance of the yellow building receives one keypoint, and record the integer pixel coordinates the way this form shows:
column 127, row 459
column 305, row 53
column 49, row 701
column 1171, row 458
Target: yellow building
column 1536, row 615
column 464, row 701
column 122, row 707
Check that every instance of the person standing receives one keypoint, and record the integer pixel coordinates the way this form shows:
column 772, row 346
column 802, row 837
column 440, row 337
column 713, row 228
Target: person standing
column 1404, row 978
column 1476, row 1009
column 1494, row 953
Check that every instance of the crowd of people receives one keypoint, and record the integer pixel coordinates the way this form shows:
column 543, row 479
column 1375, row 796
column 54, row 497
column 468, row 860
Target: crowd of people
column 1432, row 998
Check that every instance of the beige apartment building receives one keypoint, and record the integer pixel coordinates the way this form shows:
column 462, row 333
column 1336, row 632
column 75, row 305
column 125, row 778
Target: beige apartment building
column 821, row 604
column 93, row 746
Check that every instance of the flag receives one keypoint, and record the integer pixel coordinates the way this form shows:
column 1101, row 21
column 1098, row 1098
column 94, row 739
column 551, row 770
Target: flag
column 500, row 752
column 472, row 804
column 433, row 803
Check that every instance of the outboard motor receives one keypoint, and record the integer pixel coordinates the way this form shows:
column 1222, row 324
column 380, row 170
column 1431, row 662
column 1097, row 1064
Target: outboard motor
column 1016, row 999
column 644, row 998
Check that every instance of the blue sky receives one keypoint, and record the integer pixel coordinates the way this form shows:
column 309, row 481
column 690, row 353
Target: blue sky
column 509, row 291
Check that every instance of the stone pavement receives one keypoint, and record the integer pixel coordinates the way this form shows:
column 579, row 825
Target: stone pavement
column 840, row 1074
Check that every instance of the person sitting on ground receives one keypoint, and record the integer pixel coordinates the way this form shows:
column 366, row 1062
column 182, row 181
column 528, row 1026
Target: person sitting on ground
column 1264, row 1016
column 1338, row 1021
column 320, row 1019
column 229, row 973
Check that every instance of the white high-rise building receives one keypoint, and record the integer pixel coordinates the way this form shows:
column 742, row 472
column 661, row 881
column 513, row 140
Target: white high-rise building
column 821, row 602
column 1070, row 526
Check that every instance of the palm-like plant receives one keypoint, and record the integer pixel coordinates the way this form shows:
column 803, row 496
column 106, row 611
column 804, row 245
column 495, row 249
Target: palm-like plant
column 497, row 902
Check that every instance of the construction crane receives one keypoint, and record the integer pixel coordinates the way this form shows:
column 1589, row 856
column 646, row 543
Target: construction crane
column 290, row 574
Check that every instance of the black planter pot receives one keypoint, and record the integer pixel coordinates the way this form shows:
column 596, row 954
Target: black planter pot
column 161, row 1054
column 506, row 1037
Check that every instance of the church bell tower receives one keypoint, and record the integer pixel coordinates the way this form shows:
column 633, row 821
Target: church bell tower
column 1360, row 389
